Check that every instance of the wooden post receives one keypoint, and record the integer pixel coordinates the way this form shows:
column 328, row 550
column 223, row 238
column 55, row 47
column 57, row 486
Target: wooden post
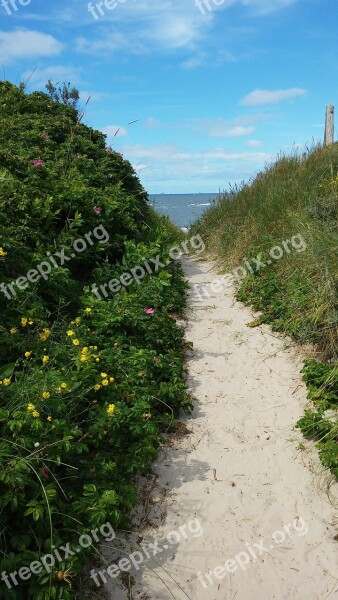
column 329, row 125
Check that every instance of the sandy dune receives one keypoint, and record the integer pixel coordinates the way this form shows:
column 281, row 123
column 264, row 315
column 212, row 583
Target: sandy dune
column 266, row 507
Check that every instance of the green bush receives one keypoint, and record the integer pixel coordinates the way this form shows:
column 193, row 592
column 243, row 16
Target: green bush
column 87, row 384
column 321, row 424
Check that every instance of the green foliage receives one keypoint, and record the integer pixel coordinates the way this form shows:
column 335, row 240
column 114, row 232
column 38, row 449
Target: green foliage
column 87, row 385
column 65, row 94
column 297, row 294
column 283, row 302
column 321, row 424
column 322, row 382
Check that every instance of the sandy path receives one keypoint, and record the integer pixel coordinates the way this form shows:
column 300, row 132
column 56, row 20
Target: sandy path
column 240, row 472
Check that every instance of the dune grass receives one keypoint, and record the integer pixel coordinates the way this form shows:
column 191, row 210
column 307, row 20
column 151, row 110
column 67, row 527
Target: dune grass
column 295, row 198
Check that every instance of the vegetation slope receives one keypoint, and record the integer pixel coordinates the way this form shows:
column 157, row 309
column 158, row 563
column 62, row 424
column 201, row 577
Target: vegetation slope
column 87, row 380
column 279, row 235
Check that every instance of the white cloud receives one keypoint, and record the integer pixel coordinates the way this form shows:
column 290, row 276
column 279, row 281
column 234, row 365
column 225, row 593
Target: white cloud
column 254, row 144
column 115, row 131
column 164, row 166
column 225, row 56
column 260, row 97
column 147, row 9
column 264, row 7
column 26, row 44
column 238, row 131
column 174, row 31
column 170, row 153
column 152, row 123
column 108, row 41
column 192, row 63
column 159, row 152
column 144, row 25
column 90, row 97
column 228, row 128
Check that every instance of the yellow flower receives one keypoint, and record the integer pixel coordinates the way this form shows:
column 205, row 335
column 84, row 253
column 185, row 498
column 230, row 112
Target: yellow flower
column 85, row 350
column 83, row 358
column 46, row 395
column 111, row 379
column 76, row 342
column 59, row 390
column 13, row 330
column 97, row 387
column 44, row 335
column 30, row 406
column 28, row 354
column 35, row 413
column 105, row 382
column 104, row 375
column 45, row 359
column 64, row 386
column 97, row 360
column 49, row 418
column 2, row 252
column 88, row 310
column 111, row 409
column 24, row 321
column 6, row 381
column 30, row 322
column 70, row 332
column 78, row 320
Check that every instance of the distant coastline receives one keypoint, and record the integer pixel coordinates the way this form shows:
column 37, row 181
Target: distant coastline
column 183, row 209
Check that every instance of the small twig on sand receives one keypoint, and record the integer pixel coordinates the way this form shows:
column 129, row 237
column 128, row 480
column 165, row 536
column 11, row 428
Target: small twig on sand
column 268, row 407
column 297, row 388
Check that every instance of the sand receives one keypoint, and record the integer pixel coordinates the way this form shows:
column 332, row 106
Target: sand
column 243, row 488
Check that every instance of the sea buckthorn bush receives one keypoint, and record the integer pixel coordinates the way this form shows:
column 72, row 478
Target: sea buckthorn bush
column 87, row 385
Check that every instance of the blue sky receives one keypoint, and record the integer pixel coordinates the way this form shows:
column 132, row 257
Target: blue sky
column 218, row 92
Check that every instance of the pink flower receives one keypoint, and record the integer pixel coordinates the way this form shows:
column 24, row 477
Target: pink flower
column 45, row 136
column 45, row 473
column 149, row 311
column 120, row 154
column 37, row 163
column 97, row 210
column 107, row 149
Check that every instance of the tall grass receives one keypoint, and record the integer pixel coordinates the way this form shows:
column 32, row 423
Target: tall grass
column 292, row 196
column 298, row 293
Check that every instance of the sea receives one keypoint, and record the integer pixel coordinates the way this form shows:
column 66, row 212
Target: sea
column 183, row 209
